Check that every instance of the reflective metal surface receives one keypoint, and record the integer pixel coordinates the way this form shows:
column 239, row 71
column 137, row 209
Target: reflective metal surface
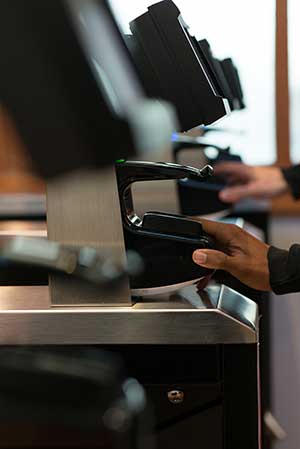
column 215, row 316
column 22, row 205
column 83, row 209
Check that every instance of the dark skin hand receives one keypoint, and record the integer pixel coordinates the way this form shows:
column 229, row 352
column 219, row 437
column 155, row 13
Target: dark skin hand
column 238, row 253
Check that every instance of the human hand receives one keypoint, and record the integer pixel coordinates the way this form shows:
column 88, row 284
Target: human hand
column 238, row 252
column 246, row 181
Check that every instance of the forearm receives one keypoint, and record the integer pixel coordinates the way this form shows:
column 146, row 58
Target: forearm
column 284, row 269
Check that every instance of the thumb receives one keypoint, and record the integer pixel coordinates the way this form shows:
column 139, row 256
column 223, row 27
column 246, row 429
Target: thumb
column 211, row 259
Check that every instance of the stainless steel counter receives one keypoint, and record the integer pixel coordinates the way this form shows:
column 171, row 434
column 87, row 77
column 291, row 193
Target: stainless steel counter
column 216, row 315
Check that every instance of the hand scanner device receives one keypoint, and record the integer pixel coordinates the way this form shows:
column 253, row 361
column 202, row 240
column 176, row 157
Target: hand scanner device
column 165, row 241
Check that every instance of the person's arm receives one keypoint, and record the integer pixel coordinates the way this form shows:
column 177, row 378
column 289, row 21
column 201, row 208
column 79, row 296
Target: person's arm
column 250, row 260
column 238, row 252
column 292, row 177
column 284, row 269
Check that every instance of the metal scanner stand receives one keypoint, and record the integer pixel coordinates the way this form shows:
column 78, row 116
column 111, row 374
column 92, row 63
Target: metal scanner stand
column 195, row 353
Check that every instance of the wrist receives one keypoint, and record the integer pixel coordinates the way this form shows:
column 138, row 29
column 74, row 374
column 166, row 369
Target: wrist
column 284, row 269
column 291, row 176
column 280, row 183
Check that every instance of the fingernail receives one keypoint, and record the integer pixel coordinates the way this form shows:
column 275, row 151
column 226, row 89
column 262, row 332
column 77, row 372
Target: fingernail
column 199, row 257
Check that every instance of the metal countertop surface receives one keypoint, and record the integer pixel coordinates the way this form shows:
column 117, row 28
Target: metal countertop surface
column 217, row 315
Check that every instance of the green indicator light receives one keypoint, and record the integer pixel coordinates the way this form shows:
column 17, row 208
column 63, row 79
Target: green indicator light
column 120, row 161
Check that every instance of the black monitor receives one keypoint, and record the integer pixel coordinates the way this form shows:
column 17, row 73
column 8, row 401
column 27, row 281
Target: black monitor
column 69, row 83
column 162, row 37
column 216, row 67
column 233, row 78
column 147, row 70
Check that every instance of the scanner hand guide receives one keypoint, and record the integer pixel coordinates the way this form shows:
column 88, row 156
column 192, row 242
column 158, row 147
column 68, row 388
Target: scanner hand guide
column 164, row 241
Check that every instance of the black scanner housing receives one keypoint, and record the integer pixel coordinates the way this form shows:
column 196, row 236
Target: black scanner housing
column 202, row 198
column 164, row 47
column 166, row 242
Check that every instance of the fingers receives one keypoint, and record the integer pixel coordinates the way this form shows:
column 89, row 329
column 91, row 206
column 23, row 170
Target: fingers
column 232, row 169
column 215, row 260
column 237, row 193
column 233, row 194
column 220, row 231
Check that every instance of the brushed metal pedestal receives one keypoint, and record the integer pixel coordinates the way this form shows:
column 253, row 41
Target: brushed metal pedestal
column 217, row 315
column 83, row 209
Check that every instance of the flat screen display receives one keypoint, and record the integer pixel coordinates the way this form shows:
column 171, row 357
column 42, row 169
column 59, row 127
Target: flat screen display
column 163, row 38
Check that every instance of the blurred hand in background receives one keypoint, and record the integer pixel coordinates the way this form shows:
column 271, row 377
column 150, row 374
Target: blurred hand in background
column 246, row 181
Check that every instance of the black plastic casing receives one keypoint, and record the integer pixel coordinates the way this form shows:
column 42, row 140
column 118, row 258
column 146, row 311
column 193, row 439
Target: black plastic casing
column 233, row 78
column 202, row 198
column 165, row 242
column 48, row 87
column 184, row 80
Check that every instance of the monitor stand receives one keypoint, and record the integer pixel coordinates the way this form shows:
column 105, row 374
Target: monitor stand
column 83, row 209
